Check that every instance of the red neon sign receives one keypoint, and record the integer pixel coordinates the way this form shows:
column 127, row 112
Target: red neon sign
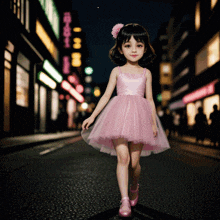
column 61, row 96
column 66, row 86
column 67, row 29
column 200, row 93
column 71, row 79
column 79, row 88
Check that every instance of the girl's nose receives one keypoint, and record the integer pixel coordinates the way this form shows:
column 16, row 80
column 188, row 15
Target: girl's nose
column 133, row 49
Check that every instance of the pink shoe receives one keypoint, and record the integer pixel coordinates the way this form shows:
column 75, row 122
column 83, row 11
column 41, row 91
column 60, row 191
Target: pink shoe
column 125, row 208
column 134, row 202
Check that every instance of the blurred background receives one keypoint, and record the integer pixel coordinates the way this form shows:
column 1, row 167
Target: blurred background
column 55, row 65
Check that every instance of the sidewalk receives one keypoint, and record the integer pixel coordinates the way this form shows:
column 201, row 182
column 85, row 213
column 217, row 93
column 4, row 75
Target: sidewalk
column 204, row 148
column 11, row 144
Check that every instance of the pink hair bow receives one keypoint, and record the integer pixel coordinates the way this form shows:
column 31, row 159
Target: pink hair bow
column 116, row 29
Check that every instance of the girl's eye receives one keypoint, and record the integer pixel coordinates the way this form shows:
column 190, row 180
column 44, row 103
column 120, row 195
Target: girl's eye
column 127, row 45
column 140, row 45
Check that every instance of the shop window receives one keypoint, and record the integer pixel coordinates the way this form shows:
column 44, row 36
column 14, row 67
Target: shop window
column 21, row 9
column 22, row 81
column 197, row 16
column 209, row 102
column 7, row 80
column 54, row 104
column 191, row 113
column 213, row 3
column 208, row 55
column 201, row 61
column 213, row 50
column 22, row 87
column 197, row 105
column 27, row 24
column 43, row 108
column 23, row 61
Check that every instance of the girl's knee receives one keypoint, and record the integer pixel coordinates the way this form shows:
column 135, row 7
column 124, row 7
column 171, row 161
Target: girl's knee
column 124, row 160
column 135, row 165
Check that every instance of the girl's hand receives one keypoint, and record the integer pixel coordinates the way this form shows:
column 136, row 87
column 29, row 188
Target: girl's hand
column 155, row 131
column 87, row 122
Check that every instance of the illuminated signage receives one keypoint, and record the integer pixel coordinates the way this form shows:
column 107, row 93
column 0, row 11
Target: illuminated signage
column 52, row 15
column 76, row 59
column 77, row 43
column 67, row 29
column 46, row 40
column 79, row 88
column 46, row 80
column 66, row 64
column 52, row 71
column 67, row 86
column 73, row 79
column 176, row 105
column 200, row 93
column 61, row 97
column 77, row 29
column 88, row 70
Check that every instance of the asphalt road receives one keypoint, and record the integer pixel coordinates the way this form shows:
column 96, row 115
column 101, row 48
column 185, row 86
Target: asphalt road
column 70, row 180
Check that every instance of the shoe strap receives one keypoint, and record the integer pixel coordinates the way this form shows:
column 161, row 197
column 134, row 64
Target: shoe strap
column 125, row 198
column 134, row 191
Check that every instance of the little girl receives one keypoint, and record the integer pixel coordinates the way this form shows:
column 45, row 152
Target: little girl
column 128, row 126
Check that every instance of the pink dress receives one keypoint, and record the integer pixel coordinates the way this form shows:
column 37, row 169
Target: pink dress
column 127, row 115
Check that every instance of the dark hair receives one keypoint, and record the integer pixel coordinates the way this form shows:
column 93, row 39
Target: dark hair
column 200, row 109
column 124, row 35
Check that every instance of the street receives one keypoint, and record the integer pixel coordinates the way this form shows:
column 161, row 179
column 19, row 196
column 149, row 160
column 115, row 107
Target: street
column 68, row 179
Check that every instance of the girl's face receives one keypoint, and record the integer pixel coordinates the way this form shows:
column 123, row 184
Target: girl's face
column 133, row 50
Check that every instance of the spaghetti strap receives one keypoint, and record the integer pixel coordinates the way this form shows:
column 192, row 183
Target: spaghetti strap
column 144, row 70
column 119, row 69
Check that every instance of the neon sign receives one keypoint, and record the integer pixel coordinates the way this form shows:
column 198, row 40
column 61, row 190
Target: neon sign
column 52, row 15
column 46, row 80
column 67, row 29
column 200, row 93
column 66, row 64
column 66, row 86
column 49, row 44
column 76, row 59
column 52, row 71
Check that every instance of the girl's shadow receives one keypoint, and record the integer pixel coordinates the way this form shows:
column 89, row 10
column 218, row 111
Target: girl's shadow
column 138, row 212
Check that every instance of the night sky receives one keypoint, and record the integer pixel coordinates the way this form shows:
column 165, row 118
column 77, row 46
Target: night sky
column 97, row 19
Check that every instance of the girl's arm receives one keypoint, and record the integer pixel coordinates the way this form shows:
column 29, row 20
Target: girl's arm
column 149, row 95
column 108, row 93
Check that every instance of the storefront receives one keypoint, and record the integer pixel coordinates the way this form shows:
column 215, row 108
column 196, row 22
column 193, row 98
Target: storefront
column 30, row 99
column 206, row 97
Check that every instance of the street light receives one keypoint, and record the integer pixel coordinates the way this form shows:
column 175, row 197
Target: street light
column 88, row 70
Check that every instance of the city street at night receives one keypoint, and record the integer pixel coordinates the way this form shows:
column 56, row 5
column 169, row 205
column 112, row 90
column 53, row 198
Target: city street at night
column 75, row 181
column 84, row 81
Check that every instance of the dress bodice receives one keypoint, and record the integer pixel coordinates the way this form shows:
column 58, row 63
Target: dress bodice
column 131, row 84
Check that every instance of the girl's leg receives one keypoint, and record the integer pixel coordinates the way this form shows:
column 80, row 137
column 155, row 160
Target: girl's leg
column 121, row 147
column 135, row 168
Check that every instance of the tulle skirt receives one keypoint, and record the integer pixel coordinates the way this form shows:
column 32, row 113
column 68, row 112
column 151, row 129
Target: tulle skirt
column 128, row 117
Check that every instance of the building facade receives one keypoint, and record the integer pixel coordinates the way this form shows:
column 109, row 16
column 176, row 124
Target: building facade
column 31, row 66
column 193, row 40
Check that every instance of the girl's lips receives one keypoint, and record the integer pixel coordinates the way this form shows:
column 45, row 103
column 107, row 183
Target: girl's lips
column 133, row 55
